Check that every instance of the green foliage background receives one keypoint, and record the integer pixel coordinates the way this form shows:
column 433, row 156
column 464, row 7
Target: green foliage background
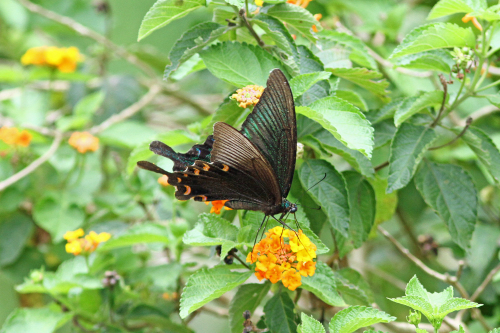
column 374, row 114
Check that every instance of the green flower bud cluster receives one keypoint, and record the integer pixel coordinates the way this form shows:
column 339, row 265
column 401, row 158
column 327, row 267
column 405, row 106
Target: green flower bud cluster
column 414, row 318
column 462, row 56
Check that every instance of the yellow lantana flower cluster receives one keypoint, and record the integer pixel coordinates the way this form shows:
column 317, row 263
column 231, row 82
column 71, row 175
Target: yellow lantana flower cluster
column 83, row 142
column 13, row 136
column 86, row 245
column 279, row 261
column 64, row 59
column 248, row 95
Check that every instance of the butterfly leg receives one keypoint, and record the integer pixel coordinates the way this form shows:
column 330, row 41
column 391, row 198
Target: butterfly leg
column 258, row 231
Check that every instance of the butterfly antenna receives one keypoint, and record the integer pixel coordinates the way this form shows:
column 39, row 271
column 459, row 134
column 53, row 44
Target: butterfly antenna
column 317, row 208
column 304, row 192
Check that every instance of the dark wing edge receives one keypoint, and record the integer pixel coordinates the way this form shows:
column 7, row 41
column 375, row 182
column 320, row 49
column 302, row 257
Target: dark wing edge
column 181, row 161
column 272, row 128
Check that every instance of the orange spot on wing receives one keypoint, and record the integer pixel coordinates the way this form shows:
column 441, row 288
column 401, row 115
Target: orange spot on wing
column 185, row 175
column 225, row 168
column 179, row 180
column 203, row 198
column 188, row 190
column 206, row 167
column 196, row 171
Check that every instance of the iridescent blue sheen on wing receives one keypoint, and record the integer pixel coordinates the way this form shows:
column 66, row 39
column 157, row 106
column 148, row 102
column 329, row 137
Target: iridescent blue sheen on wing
column 272, row 128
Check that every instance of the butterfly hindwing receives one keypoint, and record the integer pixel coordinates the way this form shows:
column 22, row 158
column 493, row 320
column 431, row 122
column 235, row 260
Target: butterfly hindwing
column 181, row 161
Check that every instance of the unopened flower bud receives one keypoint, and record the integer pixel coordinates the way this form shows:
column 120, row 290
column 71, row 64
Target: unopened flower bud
column 414, row 318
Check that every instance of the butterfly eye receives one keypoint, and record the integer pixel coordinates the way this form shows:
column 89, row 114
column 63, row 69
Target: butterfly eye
column 225, row 168
column 188, row 190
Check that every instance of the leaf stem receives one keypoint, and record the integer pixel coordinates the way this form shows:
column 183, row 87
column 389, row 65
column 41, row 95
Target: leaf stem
column 445, row 94
column 244, row 19
column 467, row 124
column 488, row 86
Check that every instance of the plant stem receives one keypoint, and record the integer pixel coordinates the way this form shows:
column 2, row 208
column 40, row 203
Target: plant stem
column 488, row 86
column 469, row 121
column 249, row 27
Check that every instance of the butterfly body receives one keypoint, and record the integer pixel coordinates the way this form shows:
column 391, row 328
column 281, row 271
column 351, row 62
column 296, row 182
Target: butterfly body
column 250, row 169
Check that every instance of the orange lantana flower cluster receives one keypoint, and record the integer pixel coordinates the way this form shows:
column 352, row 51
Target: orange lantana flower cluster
column 62, row 58
column 301, row 3
column 86, row 245
column 248, row 95
column 13, row 136
column 277, row 260
column 83, row 142
column 217, row 206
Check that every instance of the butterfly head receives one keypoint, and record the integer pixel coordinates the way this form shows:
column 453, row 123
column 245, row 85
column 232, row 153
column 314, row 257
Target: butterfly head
column 289, row 207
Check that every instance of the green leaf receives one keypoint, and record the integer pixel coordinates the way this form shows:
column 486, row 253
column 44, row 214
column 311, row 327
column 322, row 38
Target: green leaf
column 331, row 193
column 208, row 284
column 15, row 230
column 362, row 207
column 386, row 202
column 407, row 149
column 460, row 330
column 384, row 132
column 57, row 215
column 212, row 230
column 240, row 64
column 450, row 7
column 359, row 53
column 435, row 60
column 371, row 80
column 165, row 11
column 352, row 97
column 356, row 159
column 248, row 297
column 287, row 50
column 310, row 63
column 343, row 120
column 139, row 234
column 386, row 112
column 323, row 285
column 279, row 315
column 434, row 306
column 303, row 82
column 191, row 42
column 484, row 148
column 237, row 3
column 449, row 190
column 496, row 330
column 42, row 320
column 230, row 113
column 435, row 36
column 310, row 325
column 355, row 317
column 412, row 105
column 353, row 287
column 372, row 331
column 297, row 17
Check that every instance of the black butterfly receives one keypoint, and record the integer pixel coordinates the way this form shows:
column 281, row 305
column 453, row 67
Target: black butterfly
column 252, row 168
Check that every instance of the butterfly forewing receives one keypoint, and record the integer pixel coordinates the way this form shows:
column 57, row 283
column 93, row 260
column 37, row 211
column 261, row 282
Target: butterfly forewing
column 272, row 128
